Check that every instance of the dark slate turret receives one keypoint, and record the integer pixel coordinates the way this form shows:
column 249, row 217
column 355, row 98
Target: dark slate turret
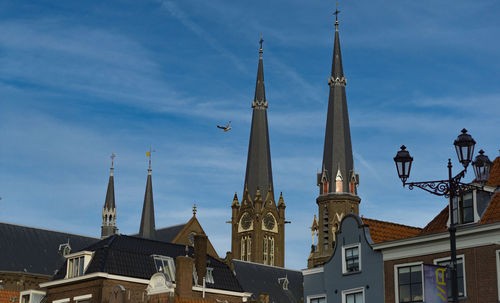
column 147, row 229
column 108, row 227
column 259, row 173
column 337, row 154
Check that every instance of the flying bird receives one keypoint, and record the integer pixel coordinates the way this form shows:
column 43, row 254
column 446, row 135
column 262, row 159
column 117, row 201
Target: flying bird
column 225, row 128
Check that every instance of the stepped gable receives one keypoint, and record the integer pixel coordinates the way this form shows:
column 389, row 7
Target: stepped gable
column 132, row 257
column 35, row 250
column 258, row 278
column 381, row 231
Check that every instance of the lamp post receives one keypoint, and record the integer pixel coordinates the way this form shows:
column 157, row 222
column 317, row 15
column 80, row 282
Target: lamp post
column 451, row 188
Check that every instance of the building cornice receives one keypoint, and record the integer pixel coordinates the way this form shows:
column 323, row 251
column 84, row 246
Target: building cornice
column 312, row 271
column 223, row 292
column 93, row 276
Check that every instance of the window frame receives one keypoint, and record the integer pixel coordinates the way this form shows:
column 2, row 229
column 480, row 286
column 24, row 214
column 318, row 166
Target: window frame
column 170, row 265
column 85, row 256
column 436, row 261
column 344, row 261
column 318, row 296
column 396, row 278
column 353, row 291
column 497, row 252
column 209, row 275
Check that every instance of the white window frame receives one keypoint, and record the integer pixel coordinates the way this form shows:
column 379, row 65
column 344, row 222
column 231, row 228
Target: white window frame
column 209, row 275
column 344, row 264
column 497, row 252
column 82, row 297
column 396, row 284
column 309, row 298
column 436, row 261
column 65, row 300
column 170, row 263
column 353, row 291
column 87, row 257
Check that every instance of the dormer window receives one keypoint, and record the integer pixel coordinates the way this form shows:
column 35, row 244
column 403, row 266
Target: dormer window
column 463, row 208
column 77, row 263
column 209, row 277
column 165, row 265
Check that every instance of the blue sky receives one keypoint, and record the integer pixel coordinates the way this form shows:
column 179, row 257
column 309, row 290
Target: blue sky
column 80, row 80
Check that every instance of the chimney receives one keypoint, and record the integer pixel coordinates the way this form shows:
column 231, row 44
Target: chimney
column 183, row 277
column 263, row 298
column 200, row 256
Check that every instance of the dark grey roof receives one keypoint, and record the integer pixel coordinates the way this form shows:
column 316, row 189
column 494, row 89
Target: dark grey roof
column 109, row 203
column 167, row 234
column 258, row 278
column 337, row 152
column 259, row 173
column 132, row 257
column 35, row 250
column 147, row 228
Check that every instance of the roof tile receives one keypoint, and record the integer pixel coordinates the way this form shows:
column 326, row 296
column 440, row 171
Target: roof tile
column 5, row 296
column 438, row 224
column 381, row 231
column 492, row 213
column 494, row 179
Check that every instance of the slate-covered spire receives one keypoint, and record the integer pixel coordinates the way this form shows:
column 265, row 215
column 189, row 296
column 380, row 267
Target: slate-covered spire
column 108, row 227
column 259, row 173
column 337, row 154
column 147, row 228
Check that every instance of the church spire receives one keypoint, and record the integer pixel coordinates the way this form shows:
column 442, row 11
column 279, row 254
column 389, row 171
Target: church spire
column 337, row 153
column 108, row 226
column 147, row 228
column 259, row 172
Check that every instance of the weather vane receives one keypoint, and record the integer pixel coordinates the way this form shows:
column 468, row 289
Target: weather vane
column 261, row 41
column 113, row 156
column 194, row 209
column 148, row 154
column 336, row 13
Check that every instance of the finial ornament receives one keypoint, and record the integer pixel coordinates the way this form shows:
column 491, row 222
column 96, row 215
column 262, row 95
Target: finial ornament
column 261, row 41
column 148, row 154
column 194, row 209
column 113, row 156
column 336, row 13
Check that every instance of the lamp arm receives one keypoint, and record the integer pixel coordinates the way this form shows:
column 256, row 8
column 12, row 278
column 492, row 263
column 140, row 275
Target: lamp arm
column 438, row 187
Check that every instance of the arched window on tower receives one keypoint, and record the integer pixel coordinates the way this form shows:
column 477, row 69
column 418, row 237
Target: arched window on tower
column 325, row 230
column 249, row 248
column 271, row 250
column 243, row 248
column 265, row 250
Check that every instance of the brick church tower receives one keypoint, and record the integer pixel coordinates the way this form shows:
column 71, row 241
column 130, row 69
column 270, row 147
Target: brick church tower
column 258, row 223
column 337, row 181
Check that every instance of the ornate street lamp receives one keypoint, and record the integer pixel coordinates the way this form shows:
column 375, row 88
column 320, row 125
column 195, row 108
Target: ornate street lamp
column 451, row 188
column 403, row 164
column 482, row 165
column 464, row 145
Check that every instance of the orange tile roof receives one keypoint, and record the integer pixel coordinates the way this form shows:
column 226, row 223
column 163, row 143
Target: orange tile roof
column 494, row 179
column 381, row 231
column 492, row 213
column 438, row 224
column 6, row 294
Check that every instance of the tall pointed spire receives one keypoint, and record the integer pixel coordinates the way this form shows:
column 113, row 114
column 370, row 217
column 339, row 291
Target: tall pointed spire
column 147, row 228
column 259, row 173
column 337, row 154
column 108, row 227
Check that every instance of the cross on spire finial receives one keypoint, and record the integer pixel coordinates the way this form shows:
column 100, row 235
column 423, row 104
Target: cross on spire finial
column 194, row 209
column 336, row 13
column 261, row 41
column 113, row 156
column 148, row 154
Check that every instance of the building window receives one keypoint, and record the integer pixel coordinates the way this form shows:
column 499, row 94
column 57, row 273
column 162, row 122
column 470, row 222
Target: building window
column 317, row 300
column 246, row 248
column 271, row 250
column 460, row 274
column 82, row 299
column 265, row 250
column 326, row 241
column 463, row 209
column 268, row 250
column 498, row 273
column 356, row 295
column 351, row 258
column 165, row 265
column 209, row 277
column 409, row 283
column 76, row 266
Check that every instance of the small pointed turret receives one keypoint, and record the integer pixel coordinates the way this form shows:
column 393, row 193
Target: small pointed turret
column 235, row 201
column 259, row 172
column 108, row 226
column 147, row 229
column 337, row 149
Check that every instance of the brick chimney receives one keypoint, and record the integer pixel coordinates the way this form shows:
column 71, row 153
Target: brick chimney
column 183, row 277
column 200, row 256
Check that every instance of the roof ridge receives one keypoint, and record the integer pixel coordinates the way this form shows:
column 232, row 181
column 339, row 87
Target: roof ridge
column 51, row 230
column 267, row 265
column 171, row 226
column 393, row 223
